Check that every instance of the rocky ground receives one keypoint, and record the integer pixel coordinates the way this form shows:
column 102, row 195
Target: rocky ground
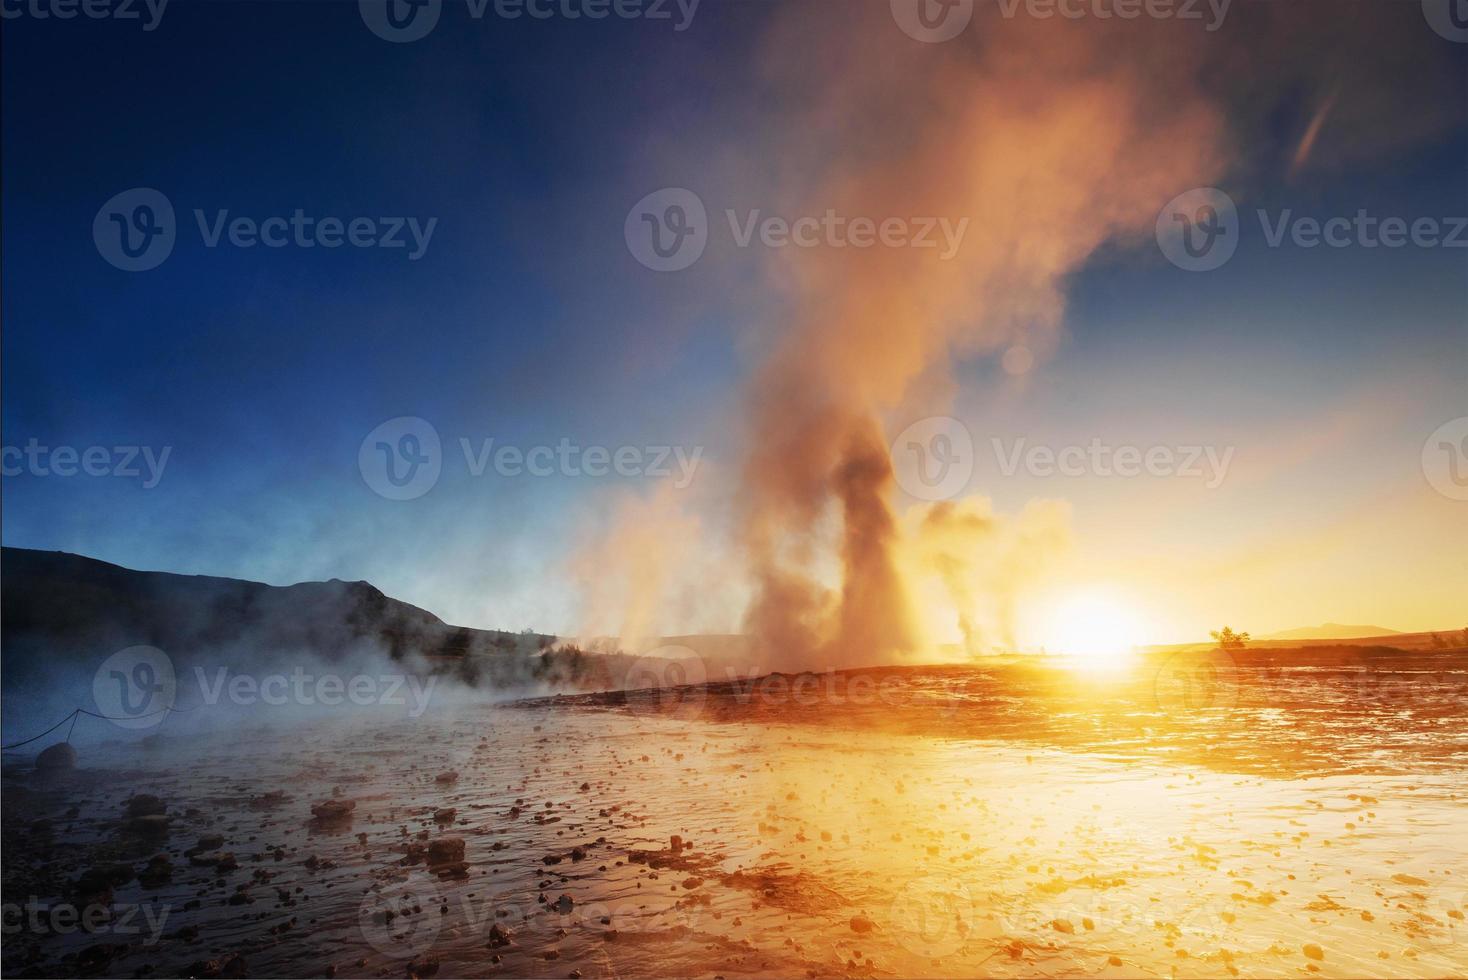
column 565, row 839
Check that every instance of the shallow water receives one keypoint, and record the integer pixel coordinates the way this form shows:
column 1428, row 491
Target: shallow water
column 861, row 844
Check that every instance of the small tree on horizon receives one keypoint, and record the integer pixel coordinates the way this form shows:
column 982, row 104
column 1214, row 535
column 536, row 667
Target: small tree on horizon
column 1229, row 640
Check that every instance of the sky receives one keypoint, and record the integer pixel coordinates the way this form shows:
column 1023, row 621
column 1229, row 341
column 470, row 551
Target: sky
column 525, row 311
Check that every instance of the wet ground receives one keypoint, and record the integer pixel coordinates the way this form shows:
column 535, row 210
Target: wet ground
column 708, row 832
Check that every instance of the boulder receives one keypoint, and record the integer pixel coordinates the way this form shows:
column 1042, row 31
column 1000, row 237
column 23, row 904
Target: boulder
column 329, row 810
column 58, row 757
column 145, row 805
column 446, row 850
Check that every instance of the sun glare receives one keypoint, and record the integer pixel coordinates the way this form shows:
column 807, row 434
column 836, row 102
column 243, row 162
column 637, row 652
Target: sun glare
column 1099, row 631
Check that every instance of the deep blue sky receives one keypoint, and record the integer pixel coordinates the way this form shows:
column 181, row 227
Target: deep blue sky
column 527, row 320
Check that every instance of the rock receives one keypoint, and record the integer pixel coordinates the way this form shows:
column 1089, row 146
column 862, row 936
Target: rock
column 152, row 825
column 158, row 873
column 231, row 966
column 692, row 882
column 220, row 861
column 95, row 885
column 444, row 778
column 675, row 844
column 565, row 904
column 445, row 815
column 861, row 924
column 331, row 810
column 445, row 850
column 425, row 965
column 94, row 959
column 1062, row 925
column 207, row 842
column 144, row 805
column 56, row 757
column 498, row 936
column 1313, row 951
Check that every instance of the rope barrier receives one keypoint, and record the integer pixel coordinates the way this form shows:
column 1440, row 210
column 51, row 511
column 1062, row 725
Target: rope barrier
column 76, row 712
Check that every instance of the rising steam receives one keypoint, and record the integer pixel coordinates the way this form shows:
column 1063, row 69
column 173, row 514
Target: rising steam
column 1051, row 146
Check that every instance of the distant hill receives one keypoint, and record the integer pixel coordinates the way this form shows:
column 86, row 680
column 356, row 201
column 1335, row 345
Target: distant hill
column 64, row 614
column 69, row 604
column 1331, row 631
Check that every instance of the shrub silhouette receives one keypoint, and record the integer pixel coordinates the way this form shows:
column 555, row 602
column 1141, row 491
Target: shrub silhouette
column 1229, row 640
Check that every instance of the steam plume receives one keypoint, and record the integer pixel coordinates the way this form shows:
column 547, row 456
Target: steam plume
column 1051, row 145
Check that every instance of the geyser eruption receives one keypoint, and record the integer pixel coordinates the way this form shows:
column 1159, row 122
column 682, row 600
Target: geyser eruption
column 1050, row 145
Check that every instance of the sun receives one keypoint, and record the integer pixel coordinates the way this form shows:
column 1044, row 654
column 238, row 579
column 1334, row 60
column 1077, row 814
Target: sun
column 1098, row 630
